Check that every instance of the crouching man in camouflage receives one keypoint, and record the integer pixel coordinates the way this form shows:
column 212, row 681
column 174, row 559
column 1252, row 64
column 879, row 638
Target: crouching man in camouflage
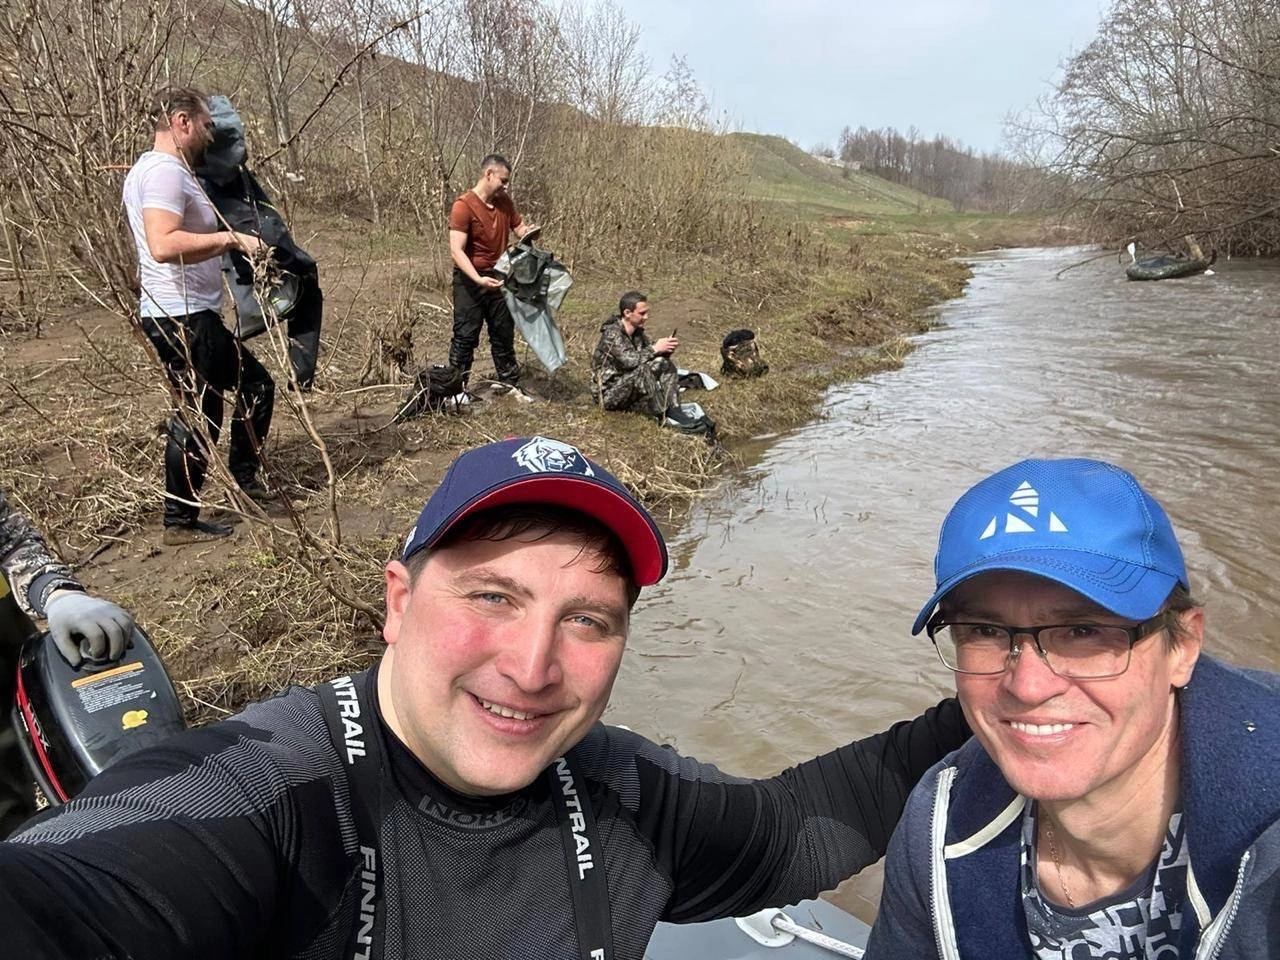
column 630, row 373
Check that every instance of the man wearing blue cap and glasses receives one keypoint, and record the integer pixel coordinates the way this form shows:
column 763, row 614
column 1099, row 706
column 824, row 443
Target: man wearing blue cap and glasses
column 460, row 799
column 1120, row 797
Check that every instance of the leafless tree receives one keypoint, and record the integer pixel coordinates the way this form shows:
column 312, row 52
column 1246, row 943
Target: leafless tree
column 943, row 167
column 606, row 74
column 1169, row 122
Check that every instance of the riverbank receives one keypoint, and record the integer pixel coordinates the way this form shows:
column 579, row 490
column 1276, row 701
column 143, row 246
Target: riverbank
column 295, row 594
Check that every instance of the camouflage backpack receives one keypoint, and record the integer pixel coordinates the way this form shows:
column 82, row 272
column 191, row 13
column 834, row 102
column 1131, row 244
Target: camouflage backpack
column 740, row 355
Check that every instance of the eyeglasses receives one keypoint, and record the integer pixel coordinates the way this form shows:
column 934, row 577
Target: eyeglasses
column 1076, row 651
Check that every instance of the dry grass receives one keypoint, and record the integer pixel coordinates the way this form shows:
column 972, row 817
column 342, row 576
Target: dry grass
column 646, row 197
column 295, row 595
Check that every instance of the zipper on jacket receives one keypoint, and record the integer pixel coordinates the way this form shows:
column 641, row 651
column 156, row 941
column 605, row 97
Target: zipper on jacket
column 944, row 929
column 1216, row 934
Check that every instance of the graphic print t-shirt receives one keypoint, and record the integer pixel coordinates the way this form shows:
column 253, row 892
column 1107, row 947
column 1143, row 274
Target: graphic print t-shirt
column 1140, row 922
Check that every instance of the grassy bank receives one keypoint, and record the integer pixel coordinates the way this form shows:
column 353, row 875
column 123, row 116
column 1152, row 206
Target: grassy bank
column 294, row 595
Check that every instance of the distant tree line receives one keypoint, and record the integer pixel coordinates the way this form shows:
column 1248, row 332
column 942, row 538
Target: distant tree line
column 1168, row 124
column 943, row 167
column 1165, row 128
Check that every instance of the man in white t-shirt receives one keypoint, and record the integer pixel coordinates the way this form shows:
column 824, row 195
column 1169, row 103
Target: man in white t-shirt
column 180, row 243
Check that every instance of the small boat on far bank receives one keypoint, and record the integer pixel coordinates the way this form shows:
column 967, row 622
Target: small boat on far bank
column 1166, row 267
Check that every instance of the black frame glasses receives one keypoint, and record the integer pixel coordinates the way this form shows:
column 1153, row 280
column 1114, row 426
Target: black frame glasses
column 1054, row 657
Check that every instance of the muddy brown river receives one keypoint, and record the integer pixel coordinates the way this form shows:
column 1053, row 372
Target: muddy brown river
column 783, row 629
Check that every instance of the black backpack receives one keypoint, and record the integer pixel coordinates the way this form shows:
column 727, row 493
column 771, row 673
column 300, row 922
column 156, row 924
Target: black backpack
column 529, row 279
column 430, row 392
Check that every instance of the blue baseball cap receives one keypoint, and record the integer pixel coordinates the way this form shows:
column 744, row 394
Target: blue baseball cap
column 1085, row 524
column 540, row 470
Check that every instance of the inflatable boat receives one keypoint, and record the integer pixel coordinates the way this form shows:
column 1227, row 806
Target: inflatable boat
column 810, row 930
column 1166, row 267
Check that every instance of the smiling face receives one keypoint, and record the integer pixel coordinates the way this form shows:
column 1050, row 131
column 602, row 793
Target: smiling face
column 1071, row 740
column 502, row 655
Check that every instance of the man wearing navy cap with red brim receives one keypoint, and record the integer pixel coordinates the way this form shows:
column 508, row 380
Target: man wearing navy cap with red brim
column 1120, row 798
column 460, row 799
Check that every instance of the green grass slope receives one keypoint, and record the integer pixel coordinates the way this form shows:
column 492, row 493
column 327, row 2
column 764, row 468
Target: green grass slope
column 778, row 170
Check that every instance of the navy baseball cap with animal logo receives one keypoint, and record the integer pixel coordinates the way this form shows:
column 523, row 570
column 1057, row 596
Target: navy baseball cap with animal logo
column 540, row 470
column 1084, row 524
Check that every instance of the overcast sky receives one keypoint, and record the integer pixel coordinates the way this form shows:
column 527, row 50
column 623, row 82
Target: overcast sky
column 805, row 69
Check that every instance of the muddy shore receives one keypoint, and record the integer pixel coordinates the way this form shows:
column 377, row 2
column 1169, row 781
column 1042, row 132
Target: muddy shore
column 294, row 595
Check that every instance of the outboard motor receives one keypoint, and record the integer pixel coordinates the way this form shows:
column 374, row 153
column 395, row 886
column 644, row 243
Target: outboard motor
column 72, row 722
column 17, row 795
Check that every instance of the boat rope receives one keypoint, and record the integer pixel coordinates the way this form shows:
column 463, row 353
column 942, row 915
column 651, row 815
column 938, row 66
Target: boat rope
column 784, row 924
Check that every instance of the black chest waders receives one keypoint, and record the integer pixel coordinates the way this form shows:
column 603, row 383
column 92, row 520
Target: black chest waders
column 353, row 730
column 16, row 628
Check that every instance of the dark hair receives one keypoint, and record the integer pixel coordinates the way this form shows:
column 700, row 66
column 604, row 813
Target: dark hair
column 537, row 521
column 630, row 300
column 1179, row 602
column 167, row 101
column 494, row 160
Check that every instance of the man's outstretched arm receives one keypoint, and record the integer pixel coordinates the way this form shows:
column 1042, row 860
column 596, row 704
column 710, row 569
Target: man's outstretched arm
column 205, row 846
column 738, row 845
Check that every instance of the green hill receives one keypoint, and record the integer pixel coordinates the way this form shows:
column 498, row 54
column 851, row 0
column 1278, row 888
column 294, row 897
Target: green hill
column 778, row 170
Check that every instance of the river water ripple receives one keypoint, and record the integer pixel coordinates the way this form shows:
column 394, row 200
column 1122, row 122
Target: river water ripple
column 783, row 629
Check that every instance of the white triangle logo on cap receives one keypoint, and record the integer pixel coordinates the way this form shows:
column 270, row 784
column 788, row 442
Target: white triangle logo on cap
column 1014, row 524
column 1027, row 498
column 1026, row 503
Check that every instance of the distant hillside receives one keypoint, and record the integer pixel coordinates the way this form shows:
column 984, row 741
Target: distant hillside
column 779, row 170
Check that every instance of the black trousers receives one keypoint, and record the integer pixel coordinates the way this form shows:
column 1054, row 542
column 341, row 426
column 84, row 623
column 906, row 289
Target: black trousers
column 473, row 307
column 207, row 365
column 304, row 333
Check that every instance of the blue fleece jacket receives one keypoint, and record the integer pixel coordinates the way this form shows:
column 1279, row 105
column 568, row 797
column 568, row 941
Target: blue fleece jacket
column 952, row 889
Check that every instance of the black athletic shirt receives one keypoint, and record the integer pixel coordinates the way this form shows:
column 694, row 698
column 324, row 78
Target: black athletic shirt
column 238, row 840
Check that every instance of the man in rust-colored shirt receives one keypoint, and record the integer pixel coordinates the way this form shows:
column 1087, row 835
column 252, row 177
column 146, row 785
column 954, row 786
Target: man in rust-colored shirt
column 479, row 224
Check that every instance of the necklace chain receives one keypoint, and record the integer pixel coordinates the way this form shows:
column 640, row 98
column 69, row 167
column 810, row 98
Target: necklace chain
column 1057, row 863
